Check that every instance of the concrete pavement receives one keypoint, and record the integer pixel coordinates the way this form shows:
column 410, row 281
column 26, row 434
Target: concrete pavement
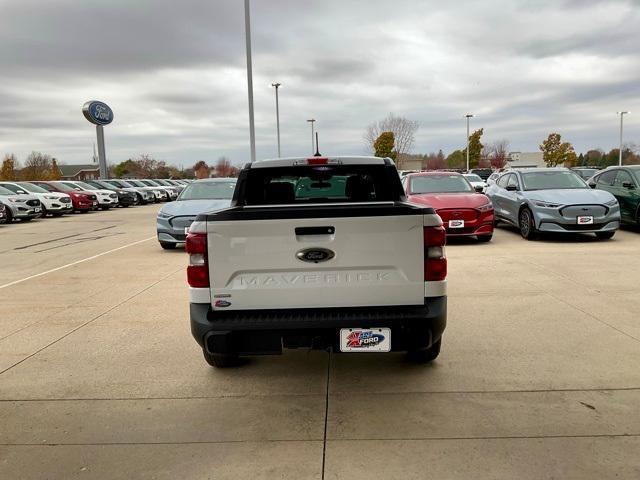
column 100, row 378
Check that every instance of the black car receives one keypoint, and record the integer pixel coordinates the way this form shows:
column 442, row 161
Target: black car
column 125, row 198
column 483, row 173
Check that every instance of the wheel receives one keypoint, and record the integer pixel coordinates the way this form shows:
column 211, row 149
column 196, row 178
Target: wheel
column 220, row 360
column 605, row 235
column 9, row 215
column 167, row 245
column 527, row 228
column 485, row 238
column 425, row 355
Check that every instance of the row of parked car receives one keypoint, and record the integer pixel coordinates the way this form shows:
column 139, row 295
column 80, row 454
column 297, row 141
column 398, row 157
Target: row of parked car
column 25, row 201
column 534, row 200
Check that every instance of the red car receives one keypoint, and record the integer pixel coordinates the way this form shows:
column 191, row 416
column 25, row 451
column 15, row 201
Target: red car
column 82, row 201
column 464, row 211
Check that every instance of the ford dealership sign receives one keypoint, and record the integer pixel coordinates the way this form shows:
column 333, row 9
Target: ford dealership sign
column 97, row 113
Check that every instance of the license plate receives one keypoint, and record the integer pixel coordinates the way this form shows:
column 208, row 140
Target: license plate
column 456, row 223
column 365, row 339
column 585, row 220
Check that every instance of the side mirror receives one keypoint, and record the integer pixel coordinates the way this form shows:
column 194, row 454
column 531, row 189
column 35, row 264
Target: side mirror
column 628, row 185
column 511, row 188
column 479, row 188
column 592, row 185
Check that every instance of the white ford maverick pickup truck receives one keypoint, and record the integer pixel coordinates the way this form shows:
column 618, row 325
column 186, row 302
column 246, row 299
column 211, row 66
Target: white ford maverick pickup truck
column 317, row 253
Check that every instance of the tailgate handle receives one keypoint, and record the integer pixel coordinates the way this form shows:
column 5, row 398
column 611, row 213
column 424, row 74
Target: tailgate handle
column 315, row 230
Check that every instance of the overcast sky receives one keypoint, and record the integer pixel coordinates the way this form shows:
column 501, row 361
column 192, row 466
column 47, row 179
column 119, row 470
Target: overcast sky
column 174, row 73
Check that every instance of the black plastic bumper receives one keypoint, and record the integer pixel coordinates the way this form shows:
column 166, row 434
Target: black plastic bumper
column 268, row 331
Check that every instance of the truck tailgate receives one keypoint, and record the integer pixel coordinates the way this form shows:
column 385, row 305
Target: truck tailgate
column 256, row 264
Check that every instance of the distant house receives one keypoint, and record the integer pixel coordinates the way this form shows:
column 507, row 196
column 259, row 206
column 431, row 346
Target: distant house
column 89, row 171
column 525, row 160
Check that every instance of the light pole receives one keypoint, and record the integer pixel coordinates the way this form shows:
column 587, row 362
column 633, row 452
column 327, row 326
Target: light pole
column 312, row 121
column 622, row 114
column 468, row 116
column 277, row 85
column 247, row 30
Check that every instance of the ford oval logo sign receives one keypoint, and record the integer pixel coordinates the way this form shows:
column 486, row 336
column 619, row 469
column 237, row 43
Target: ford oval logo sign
column 315, row 255
column 98, row 113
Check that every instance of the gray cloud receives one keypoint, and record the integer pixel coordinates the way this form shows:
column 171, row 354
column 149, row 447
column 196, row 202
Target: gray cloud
column 174, row 73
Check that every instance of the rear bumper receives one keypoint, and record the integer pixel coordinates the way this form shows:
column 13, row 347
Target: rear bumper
column 255, row 332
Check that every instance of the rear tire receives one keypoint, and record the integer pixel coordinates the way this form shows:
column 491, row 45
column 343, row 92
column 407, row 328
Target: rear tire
column 526, row 225
column 220, row 360
column 605, row 235
column 484, row 238
column 425, row 355
column 168, row 245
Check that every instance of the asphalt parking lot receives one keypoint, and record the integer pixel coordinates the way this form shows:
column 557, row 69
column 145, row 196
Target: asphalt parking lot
column 99, row 377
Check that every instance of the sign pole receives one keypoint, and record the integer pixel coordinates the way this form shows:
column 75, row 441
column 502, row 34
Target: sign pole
column 102, row 158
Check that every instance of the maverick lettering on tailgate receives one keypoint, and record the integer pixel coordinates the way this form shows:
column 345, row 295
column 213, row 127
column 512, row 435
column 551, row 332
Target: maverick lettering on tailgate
column 284, row 280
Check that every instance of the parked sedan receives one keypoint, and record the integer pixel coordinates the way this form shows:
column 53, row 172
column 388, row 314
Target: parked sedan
column 624, row 184
column 476, row 182
column 82, row 201
column 125, row 198
column 464, row 211
column 207, row 195
column 53, row 203
column 553, row 200
column 20, row 207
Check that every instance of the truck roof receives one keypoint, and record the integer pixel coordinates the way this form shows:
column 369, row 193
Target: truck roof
column 298, row 161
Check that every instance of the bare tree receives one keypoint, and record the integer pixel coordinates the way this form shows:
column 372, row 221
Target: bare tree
column 404, row 131
column 224, row 168
column 37, row 166
column 498, row 153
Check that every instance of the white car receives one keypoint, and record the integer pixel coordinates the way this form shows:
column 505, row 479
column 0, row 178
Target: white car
column 53, row 203
column 492, row 178
column 172, row 192
column 476, row 182
column 160, row 194
column 106, row 198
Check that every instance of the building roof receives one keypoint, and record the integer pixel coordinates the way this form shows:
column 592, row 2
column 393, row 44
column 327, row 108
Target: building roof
column 73, row 170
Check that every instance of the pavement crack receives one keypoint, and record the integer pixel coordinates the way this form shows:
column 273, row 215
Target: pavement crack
column 326, row 413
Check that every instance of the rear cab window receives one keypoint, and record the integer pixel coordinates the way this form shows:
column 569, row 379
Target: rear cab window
column 321, row 184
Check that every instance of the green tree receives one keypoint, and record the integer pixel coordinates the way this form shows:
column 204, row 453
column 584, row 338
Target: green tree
column 475, row 149
column 8, row 171
column 593, row 158
column 556, row 152
column 456, row 159
column 383, row 145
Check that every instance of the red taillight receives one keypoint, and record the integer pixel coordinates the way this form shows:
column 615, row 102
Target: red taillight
column 317, row 161
column 198, row 269
column 435, row 261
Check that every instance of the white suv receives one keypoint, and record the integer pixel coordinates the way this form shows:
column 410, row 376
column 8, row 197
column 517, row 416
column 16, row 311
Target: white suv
column 53, row 203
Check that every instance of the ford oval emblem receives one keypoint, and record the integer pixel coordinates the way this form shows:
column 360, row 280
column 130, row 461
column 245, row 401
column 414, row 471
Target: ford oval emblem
column 315, row 255
column 98, row 113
